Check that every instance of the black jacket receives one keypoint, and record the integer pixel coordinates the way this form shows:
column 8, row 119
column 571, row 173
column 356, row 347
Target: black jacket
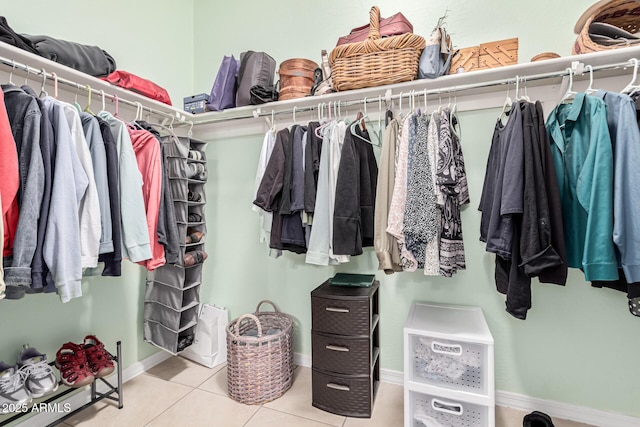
column 353, row 214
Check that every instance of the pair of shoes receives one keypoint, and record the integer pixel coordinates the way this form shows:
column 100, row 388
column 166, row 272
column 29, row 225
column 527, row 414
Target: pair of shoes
column 193, row 236
column 30, row 378
column 195, row 155
column 537, row 419
column 80, row 364
column 194, row 197
column 194, row 257
column 194, row 217
column 195, row 170
column 185, row 341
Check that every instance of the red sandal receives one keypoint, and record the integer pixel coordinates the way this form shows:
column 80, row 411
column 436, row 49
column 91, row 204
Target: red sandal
column 98, row 358
column 71, row 360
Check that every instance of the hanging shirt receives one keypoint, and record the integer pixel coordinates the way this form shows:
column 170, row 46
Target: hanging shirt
column 135, row 233
column 90, row 222
column 25, row 118
column 312, row 167
column 147, row 151
column 432, row 251
column 264, row 217
column 2, row 285
column 336, row 142
column 421, row 221
column 501, row 197
column 399, row 198
column 70, row 182
column 581, row 147
column 625, row 137
column 112, row 260
column 39, row 268
column 98, row 152
column 318, row 248
column 385, row 244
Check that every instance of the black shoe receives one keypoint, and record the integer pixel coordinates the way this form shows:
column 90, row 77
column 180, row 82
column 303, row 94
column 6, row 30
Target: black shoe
column 537, row 419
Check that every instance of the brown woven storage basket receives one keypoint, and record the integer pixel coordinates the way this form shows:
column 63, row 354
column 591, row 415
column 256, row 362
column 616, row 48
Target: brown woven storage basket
column 376, row 61
column 260, row 356
column 296, row 78
column 624, row 14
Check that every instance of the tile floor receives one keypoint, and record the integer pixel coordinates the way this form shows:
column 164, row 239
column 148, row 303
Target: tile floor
column 179, row 392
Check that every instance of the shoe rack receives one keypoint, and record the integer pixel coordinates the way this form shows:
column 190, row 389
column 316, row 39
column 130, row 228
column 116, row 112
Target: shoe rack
column 112, row 393
column 172, row 294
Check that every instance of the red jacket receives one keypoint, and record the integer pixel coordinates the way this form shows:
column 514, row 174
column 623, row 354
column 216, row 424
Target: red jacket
column 147, row 150
column 9, row 180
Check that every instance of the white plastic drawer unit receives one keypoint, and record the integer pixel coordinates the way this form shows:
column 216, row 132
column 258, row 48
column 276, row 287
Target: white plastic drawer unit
column 449, row 347
column 446, row 363
column 428, row 410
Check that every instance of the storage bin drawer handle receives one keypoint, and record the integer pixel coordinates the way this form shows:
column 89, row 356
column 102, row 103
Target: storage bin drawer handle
column 338, row 387
column 336, row 348
column 337, row 310
column 448, row 349
column 447, row 407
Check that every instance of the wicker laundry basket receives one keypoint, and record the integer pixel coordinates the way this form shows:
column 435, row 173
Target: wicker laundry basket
column 623, row 14
column 260, row 356
column 376, row 61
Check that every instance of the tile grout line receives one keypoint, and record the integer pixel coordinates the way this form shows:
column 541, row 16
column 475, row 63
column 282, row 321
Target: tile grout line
column 310, row 419
column 170, row 406
column 252, row 415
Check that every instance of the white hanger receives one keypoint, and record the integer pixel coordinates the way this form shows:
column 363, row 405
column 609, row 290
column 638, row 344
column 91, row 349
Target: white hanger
column 570, row 94
column 13, row 67
column 506, row 107
column 425, row 101
column 590, row 89
column 631, row 87
column 55, row 85
column 294, row 114
column 43, row 91
column 522, row 96
column 364, row 118
column 400, row 106
column 103, row 100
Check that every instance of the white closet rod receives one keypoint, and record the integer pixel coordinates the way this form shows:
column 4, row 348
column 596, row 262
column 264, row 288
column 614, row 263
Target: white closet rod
column 42, row 72
column 523, row 79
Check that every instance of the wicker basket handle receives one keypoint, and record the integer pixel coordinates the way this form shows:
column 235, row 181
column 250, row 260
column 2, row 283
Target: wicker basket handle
column 269, row 302
column 374, row 23
column 248, row 316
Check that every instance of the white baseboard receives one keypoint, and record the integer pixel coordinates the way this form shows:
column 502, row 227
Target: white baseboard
column 84, row 396
column 565, row 411
column 503, row 398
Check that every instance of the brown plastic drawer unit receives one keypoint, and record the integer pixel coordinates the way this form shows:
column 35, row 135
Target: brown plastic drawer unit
column 345, row 349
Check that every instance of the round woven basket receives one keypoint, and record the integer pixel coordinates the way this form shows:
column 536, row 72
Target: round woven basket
column 260, row 356
column 624, row 14
column 296, row 78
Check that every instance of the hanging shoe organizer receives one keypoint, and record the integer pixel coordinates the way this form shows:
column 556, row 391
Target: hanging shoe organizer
column 172, row 295
column 112, row 392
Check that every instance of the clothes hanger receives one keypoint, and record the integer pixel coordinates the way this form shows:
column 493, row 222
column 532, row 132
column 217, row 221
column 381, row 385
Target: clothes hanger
column 522, row 94
column 567, row 98
column 26, row 78
column 55, row 85
column 590, row 90
column 294, row 114
column 103, row 100
column 13, row 67
column 319, row 129
column 632, row 87
column 360, row 121
column 43, row 91
column 75, row 102
column 506, row 107
column 87, row 109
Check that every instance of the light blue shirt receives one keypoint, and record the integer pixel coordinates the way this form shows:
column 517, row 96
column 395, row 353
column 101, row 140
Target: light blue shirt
column 583, row 157
column 625, row 136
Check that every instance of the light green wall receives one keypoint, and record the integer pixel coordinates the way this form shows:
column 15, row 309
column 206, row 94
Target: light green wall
column 154, row 40
column 578, row 345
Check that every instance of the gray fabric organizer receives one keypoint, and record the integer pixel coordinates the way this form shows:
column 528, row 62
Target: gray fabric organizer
column 172, row 293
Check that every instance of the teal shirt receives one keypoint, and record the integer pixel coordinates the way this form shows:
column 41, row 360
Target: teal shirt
column 583, row 157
